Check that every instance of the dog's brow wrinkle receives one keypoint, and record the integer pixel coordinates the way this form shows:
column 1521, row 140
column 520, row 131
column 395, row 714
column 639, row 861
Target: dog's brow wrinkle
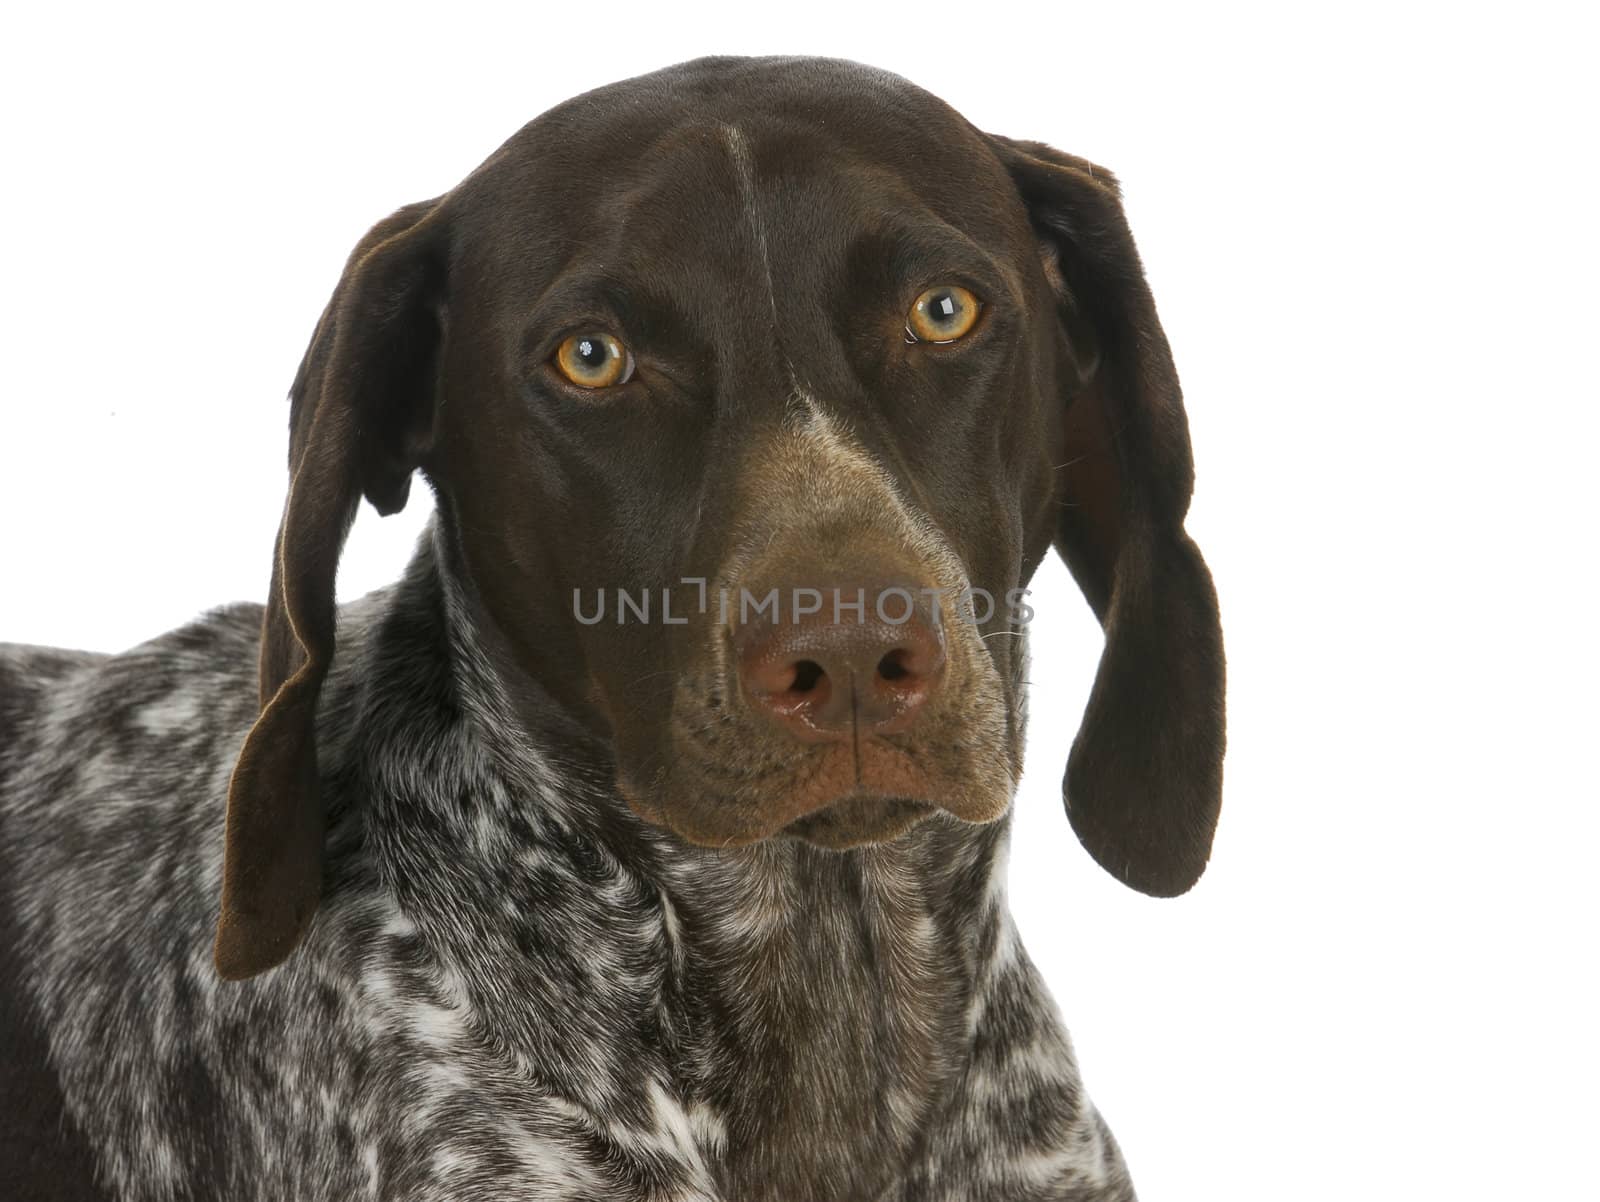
column 744, row 170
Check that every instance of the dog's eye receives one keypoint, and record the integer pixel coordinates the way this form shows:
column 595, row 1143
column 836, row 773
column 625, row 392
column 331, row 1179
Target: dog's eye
column 594, row 360
column 942, row 314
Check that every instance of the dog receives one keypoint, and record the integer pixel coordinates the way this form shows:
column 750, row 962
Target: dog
column 646, row 839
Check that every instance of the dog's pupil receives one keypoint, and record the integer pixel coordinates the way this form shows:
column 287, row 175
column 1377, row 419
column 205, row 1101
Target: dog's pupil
column 592, row 351
column 944, row 308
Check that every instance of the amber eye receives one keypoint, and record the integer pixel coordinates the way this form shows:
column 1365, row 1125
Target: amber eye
column 942, row 314
column 594, row 360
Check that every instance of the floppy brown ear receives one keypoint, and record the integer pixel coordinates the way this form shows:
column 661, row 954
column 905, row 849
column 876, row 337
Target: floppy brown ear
column 360, row 417
column 1144, row 779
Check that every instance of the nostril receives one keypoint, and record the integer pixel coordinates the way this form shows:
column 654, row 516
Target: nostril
column 893, row 666
column 807, row 674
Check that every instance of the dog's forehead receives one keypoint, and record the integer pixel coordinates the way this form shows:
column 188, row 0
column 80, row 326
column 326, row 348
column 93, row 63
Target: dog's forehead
column 672, row 160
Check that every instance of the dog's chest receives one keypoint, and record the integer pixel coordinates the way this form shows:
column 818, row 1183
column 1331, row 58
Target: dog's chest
column 826, row 1003
column 788, row 1018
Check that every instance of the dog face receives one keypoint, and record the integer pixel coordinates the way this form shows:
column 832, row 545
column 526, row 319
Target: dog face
column 752, row 392
column 744, row 264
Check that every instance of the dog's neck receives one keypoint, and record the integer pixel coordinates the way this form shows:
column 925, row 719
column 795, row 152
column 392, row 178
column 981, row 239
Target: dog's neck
column 806, row 998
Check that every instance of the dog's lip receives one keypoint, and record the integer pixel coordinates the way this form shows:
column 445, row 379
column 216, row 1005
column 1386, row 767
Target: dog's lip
column 852, row 812
column 857, row 797
column 867, row 818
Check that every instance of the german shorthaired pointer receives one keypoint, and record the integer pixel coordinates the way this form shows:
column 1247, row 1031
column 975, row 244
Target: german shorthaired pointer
column 548, row 872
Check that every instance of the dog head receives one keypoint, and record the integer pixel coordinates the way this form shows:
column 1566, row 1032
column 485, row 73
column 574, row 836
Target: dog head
column 752, row 392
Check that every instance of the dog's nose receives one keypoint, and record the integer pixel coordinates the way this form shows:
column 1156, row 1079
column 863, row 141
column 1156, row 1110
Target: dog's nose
column 859, row 660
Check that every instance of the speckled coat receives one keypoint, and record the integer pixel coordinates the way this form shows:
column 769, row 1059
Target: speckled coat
column 513, row 989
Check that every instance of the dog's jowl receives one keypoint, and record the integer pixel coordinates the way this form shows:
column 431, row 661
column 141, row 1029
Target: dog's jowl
column 460, row 891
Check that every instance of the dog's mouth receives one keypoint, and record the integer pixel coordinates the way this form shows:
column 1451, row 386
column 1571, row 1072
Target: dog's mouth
column 858, row 820
column 837, row 796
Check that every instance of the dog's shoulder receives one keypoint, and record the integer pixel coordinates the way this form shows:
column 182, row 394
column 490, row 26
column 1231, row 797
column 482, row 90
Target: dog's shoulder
column 112, row 777
column 111, row 765
column 37, row 681
column 70, row 717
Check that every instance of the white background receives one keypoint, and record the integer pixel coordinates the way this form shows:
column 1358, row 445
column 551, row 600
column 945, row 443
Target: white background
column 1371, row 237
